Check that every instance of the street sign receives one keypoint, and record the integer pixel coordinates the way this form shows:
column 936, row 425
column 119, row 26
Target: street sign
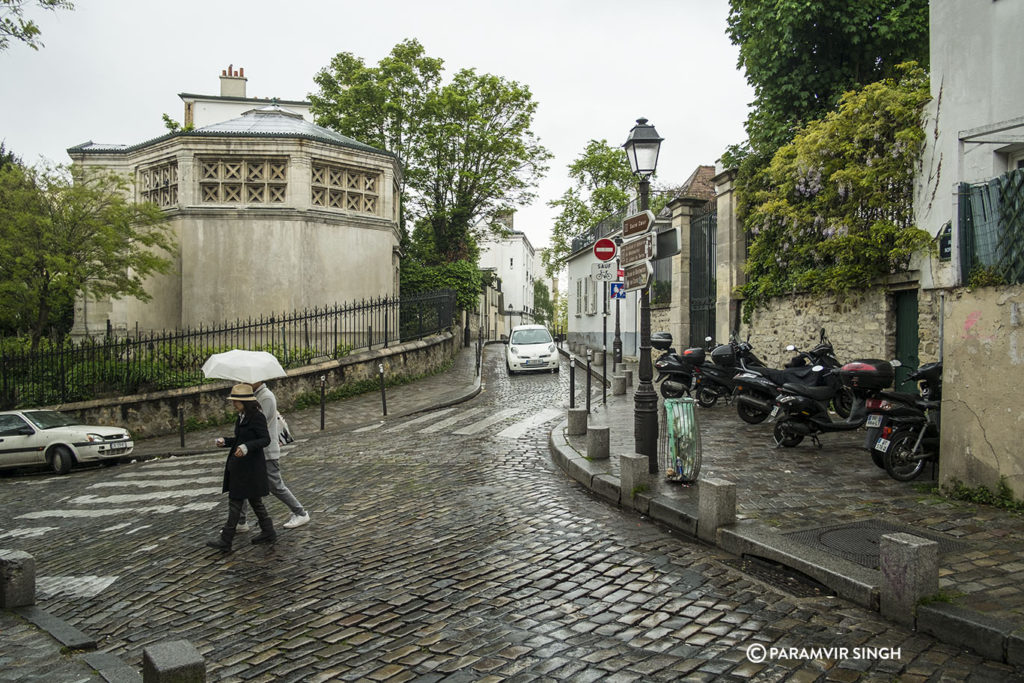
column 637, row 224
column 640, row 249
column 618, row 291
column 604, row 249
column 638, row 276
column 603, row 272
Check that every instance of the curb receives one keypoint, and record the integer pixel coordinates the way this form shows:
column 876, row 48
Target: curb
column 991, row 637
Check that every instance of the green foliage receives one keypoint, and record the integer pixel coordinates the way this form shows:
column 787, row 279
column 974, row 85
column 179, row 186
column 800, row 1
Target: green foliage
column 467, row 148
column 544, row 313
column 14, row 25
column 69, row 231
column 603, row 183
column 175, row 126
column 834, row 208
column 986, row 276
column 311, row 399
column 1001, row 498
column 461, row 276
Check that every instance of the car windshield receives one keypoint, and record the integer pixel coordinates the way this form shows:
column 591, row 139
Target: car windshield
column 537, row 336
column 48, row 419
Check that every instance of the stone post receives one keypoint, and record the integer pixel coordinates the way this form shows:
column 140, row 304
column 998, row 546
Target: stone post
column 716, row 507
column 633, row 476
column 577, row 421
column 17, row 579
column 618, row 385
column 598, row 442
column 173, row 661
column 910, row 571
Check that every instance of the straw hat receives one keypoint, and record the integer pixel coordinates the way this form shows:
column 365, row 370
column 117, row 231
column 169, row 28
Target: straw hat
column 241, row 392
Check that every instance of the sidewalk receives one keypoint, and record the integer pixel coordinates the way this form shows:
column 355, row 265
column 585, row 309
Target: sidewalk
column 821, row 512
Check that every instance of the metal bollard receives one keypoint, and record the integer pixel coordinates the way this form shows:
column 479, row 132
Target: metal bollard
column 604, row 376
column 323, row 400
column 181, row 424
column 383, row 394
column 590, row 358
column 572, row 382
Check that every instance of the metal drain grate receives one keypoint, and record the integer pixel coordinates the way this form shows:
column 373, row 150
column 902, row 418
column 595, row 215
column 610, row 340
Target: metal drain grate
column 789, row 580
column 859, row 541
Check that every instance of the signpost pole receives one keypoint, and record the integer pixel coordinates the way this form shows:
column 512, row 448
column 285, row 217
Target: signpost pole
column 617, row 342
column 645, row 400
column 604, row 347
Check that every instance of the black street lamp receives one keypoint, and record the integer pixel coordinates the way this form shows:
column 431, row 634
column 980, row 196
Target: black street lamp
column 642, row 148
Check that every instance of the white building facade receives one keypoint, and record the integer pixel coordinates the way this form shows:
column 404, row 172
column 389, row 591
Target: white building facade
column 513, row 260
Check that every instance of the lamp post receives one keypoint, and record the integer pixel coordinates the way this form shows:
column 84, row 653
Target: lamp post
column 617, row 342
column 642, row 148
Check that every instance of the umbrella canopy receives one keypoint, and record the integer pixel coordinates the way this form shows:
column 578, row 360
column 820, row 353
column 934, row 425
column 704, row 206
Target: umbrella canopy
column 243, row 366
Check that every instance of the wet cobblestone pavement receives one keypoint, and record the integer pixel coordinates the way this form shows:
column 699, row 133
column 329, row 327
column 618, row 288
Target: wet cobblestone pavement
column 439, row 549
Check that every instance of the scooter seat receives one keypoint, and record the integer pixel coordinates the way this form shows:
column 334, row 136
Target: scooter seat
column 816, row 393
column 795, row 375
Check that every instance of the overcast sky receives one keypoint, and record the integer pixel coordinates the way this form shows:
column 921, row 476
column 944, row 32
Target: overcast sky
column 110, row 68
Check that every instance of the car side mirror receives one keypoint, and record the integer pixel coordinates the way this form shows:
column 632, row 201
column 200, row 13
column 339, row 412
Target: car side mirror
column 26, row 431
column 504, row 339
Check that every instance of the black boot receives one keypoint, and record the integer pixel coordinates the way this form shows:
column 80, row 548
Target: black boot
column 223, row 542
column 267, row 533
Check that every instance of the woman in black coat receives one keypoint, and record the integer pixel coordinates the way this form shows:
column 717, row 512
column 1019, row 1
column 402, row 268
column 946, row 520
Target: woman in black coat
column 245, row 472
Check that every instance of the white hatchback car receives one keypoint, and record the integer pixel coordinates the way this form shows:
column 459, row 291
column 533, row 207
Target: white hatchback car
column 530, row 347
column 51, row 438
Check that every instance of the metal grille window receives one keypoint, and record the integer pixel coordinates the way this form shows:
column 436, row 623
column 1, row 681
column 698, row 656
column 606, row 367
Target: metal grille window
column 991, row 227
column 243, row 181
column 579, row 297
column 159, row 184
column 338, row 187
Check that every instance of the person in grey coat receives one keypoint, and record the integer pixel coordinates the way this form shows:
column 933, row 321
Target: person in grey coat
column 245, row 470
column 268, row 404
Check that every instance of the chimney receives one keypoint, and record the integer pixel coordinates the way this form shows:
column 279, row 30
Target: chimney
column 232, row 83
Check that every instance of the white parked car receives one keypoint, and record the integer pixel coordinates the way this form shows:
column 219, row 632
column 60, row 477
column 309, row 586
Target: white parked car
column 51, row 438
column 530, row 347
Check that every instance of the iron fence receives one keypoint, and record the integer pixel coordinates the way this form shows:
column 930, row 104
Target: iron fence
column 991, row 227
column 91, row 369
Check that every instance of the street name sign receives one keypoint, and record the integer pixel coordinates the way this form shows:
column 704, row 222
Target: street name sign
column 637, row 224
column 604, row 272
column 604, row 249
column 640, row 249
column 638, row 276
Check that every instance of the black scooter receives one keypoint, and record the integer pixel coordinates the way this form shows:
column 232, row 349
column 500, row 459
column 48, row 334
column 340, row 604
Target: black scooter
column 716, row 379
column 903, row 428
column 801, row 410
column 675, row 371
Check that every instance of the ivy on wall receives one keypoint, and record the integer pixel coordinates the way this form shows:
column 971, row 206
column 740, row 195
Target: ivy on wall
column 835, row 208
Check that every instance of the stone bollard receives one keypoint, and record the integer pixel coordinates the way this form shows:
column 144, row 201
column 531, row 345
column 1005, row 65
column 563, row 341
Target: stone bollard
column 628, row 374
column 598, row 442
column 17, row 579
column 633, row 476
column 577, row 421
column 716, row 507
column 618, row 385
column 910, row 571
column 173, row 661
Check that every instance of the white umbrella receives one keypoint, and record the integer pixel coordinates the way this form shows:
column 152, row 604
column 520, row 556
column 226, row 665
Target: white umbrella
column 243, row 366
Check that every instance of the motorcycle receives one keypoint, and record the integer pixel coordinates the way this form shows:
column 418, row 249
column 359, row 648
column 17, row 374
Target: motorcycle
column 801, row 410
column 675, row 371
column 756, row 387
column 903, row 428
column 716, row 379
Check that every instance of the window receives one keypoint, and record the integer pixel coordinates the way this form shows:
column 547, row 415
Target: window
column 510, row 263
column 243, row 181
column 159, row 184
column 347, row 189
column 661, row 283
column 579, row 297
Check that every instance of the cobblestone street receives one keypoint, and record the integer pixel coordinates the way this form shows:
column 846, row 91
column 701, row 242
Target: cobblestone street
column 443, row 546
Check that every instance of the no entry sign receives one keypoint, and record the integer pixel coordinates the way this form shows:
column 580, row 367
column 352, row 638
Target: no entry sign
column 604, row 249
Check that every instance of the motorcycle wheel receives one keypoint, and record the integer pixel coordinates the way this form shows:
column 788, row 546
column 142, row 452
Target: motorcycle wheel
column 706, row 398
column 784, row 438
column 668, row 393
column 900, row 461
column 842, row 402
column 749, row 414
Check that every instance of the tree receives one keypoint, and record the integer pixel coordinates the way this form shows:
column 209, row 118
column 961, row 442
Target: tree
column 69, row 232
column 467, row 148
column 603, row 183
column 544, row 308
column 13, row 25
column 836, row 207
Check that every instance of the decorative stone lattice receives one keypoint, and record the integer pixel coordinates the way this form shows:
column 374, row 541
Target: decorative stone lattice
column 337, row 187
column 159, row 184
column 238, row 181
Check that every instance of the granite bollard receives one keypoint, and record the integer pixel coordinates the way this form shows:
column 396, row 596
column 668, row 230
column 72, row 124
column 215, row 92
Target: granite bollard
column 598, row 442
column 716, row 507
column 910, row 571
column 17, row 579
column 577, row 421
column 628, row 374
column 633, row 476
column 173, row 661
column 618, row 385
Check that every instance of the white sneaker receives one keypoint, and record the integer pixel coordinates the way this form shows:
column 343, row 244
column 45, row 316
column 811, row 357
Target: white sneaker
column 297, row 520
column 241, row 528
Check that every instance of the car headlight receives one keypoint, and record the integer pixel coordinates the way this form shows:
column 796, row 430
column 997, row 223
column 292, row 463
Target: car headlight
column 514, row 350
column 93, row 438
column 551, row 349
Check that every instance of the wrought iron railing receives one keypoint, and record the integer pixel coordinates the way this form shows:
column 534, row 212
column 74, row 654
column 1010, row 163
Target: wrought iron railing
column 90, row 369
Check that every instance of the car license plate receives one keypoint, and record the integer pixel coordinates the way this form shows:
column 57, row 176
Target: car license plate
column 882, row 445
column 775, row 412
column 528, row 362
column 121, row 447
column 873, row 421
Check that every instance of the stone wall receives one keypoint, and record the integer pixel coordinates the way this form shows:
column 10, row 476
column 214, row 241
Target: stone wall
column 156, row 413
column 983, row 366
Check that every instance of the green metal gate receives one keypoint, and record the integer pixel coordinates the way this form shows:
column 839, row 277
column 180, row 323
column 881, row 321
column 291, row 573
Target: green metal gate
column 703, row 290
column 907, row 337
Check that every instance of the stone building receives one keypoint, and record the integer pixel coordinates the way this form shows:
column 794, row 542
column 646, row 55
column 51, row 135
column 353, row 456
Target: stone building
column 271, row 214
column 512, row 259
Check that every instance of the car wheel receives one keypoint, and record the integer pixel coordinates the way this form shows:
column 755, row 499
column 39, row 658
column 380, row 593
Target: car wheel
column 61, row 460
